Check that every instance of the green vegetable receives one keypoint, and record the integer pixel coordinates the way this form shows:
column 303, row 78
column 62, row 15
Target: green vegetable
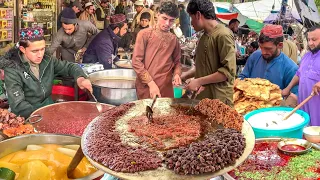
column 7, row 174
column 298, row 167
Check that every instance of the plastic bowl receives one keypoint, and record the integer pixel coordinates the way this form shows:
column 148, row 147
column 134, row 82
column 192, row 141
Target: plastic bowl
column 312, row 134
column 292, row 132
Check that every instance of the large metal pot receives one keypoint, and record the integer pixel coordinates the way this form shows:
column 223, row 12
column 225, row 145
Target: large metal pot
column 67, row 117
column 21, row 142
column 114, row 86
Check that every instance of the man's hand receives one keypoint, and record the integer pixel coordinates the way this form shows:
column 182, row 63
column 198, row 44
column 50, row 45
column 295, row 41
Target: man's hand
column 176, row 80
column 84, row 84
column 82, row 50
column 316, row 88
column 154, row 89
column 193, row 85
column 285, row 92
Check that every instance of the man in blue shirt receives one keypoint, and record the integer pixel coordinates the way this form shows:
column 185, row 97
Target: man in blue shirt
column 270, row 63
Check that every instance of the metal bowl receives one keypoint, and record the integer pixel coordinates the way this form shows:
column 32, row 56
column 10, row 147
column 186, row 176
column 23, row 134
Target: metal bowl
column 18, row 143
column 301, row 142
column 312, row 134
column 124, row 63
column 114, row 86
column 59, row 117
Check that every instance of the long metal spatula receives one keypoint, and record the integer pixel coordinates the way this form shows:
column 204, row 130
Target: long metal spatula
column 149, row 111
column 74, row 163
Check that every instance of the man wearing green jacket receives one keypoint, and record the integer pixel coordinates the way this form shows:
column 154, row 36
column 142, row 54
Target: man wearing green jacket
column 29, row 73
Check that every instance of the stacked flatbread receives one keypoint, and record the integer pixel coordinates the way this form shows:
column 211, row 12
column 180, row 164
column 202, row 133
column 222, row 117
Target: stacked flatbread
column 255, row 93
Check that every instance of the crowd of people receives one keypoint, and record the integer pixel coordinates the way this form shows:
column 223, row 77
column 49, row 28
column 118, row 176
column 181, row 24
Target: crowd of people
column 29, row 71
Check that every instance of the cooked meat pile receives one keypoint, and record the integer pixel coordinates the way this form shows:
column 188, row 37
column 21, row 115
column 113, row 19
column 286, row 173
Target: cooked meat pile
column 103, row 144
column 216, row 151
column 255, row 93
column 220, row 113
column 166, row 131
column 9, row 120
column 21, row 129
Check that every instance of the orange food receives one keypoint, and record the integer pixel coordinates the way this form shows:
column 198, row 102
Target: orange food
column 22, row 129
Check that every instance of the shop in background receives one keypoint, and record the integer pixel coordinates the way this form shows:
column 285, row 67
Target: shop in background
column 42, row 13
column 6, row 25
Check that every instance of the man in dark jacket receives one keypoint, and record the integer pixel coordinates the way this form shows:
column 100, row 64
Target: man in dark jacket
column 120, row 9
column 29, row 73
column 104, row 46
column 184, row 21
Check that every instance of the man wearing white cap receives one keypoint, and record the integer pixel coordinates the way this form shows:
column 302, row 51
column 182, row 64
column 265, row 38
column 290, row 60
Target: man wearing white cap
column 139, row 6
column 88, row 13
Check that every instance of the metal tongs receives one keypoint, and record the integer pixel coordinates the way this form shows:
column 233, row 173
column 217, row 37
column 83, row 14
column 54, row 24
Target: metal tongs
column 149, row 111
column 193, row 97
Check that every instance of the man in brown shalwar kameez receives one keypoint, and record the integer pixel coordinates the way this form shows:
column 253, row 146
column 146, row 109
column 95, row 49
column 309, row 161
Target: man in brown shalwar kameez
column 215, row 55
column 156, row 56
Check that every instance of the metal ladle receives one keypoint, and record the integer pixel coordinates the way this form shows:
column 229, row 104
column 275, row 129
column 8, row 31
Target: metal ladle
column 98, row 105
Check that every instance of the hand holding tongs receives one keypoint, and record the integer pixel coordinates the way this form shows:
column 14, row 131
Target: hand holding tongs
column 193, row 97
column 149, row 111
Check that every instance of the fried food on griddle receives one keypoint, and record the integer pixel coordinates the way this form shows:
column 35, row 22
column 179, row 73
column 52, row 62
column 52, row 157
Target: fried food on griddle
column 220, row 113
column 255, row 93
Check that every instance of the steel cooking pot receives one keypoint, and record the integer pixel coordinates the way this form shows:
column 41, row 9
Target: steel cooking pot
column 18, row 143
column 114, row 86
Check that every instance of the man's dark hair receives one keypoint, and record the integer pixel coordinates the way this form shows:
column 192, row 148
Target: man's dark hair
column 254, row 44
column 119, row 25
column 38, row 3
column 233, row 21
column 181, row 6
column 145, row 15
column 263, row 38
column 205, row 7
column 26, row 43
column 169, row 8
column 313, row 28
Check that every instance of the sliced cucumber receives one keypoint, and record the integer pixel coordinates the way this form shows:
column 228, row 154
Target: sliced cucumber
column 7, row 174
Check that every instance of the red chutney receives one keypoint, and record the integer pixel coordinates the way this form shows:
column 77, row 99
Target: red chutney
column 293, row 148
column 264, row 156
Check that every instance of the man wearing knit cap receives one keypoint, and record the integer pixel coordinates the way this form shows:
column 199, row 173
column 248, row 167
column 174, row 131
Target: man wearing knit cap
column 29, row 73
column 270, row 63
column 104, row 46
column 88, row 13
column 75, row 6
column 74, row 37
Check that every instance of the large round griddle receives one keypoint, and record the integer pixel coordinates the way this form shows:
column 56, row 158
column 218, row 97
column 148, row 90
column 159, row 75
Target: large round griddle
column 60, row 113
column 164, row 106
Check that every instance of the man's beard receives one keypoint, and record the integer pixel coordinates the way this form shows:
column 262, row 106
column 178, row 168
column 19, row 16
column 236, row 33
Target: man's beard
column 314, row 50
column 271, row 57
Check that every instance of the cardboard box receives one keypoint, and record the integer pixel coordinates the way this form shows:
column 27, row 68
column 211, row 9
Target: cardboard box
column 3, row 13
column 4, row 34
column 4, row 24
column 9, row 34
column 10, row 24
